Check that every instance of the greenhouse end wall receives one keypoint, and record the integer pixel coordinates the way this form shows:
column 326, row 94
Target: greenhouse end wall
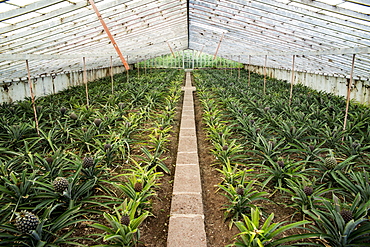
column 360, row 91
column 45, row 85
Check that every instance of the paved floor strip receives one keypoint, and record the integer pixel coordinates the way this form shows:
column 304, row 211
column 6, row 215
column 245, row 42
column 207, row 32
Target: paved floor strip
column 186, row 226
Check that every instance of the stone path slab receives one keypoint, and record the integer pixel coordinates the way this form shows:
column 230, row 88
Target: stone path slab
column 186, row 226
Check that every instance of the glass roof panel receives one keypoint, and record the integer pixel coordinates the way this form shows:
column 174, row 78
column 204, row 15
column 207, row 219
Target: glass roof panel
column 54, row 7
column 331, row 2
column 355, row 7
column 22, row 3
column 22, row 17
column 6, row 7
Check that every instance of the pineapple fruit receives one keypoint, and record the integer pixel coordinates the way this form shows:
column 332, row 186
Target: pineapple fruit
column 73, row 116
column 88, row 162
column 97, row 122
column 60, row 184
column 308, row 190
column 240, row 191
column 107, row 147
column 330, row 162
column 138, row 187
column 346, row 215
column 26, row 221
column 125, row 220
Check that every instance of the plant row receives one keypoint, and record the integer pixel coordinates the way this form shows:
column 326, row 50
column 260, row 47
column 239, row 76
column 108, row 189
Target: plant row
column 93, row 165
column 295, row 154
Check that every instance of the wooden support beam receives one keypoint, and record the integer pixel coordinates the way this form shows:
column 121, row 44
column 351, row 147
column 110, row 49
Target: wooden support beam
column 264, row 76
column 218, row 46
column 85, row 82
column 106, row 29
column 292, row 81
column 32, row 97
column 111, row 73
column 249, row 71
column 349, row 85
column 173, row 54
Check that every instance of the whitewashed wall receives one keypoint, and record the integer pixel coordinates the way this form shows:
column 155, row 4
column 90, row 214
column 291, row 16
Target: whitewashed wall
column 360, row 91
column 46, row 85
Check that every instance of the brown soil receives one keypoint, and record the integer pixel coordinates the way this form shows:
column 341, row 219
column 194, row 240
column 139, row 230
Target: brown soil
column 218, row 232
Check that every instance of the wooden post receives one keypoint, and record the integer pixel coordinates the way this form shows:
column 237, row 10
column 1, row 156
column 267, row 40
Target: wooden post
column 111, row 73
column 106, row 29
column 145, row 60
column 239, row 67
column 138, row 69
column 292, row 82
column 264, row 76
column 349, row 85
column 85, row 82
column 32, row 98
column 127, row 77
column 249, row 71
column 218, row 46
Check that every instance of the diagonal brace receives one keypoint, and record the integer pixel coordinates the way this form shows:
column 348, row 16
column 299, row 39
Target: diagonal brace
column 109, row 34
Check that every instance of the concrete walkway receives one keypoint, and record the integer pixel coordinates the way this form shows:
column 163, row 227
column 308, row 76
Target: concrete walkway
column 186, row 226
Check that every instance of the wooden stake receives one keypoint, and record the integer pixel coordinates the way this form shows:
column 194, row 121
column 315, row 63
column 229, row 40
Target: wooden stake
column 138, row 70
column 239, row 67
column 145, row 60
column 127, row 77
column 349, row 92
column 32, row 98
column 264, row 74
column 106, row 29
column 111, row 73
column 249, row 71
column 85, row 82
column 292, row 82
column 218, row 46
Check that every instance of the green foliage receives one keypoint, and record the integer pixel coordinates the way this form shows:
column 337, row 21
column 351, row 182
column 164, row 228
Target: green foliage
column 254, row 233
column 335, row 230
column 117, row 233
column 240, row 203
column 130, row 117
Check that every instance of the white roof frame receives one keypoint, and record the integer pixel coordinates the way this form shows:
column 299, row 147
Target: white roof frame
column 322, row 36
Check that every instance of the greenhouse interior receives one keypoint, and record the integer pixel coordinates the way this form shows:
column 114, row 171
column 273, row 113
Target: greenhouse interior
column 198, row 123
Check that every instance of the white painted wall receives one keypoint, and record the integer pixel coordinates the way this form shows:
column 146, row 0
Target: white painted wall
column 360, row 91
column 46, row 85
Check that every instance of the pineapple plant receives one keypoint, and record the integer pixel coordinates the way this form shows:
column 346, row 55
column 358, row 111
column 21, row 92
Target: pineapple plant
column 26, row 222
column 60, row 184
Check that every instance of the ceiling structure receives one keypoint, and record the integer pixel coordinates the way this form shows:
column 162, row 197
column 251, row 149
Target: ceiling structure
column 54, row 35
